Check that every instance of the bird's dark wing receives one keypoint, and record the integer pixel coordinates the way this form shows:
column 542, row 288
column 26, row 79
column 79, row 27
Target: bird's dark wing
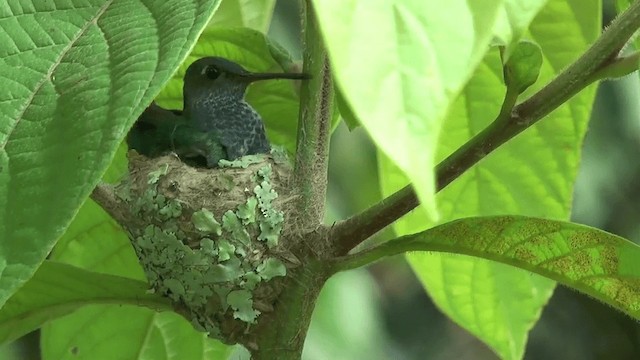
column 198, row 148
column 152, row 133
column 159, row 131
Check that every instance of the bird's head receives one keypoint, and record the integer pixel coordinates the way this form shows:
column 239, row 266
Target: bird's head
column 216, row 74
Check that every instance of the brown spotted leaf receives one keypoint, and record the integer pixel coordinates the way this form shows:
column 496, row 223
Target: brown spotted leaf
column 599, row 264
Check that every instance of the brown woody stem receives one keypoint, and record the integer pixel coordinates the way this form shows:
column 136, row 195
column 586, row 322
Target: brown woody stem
column 310, row 174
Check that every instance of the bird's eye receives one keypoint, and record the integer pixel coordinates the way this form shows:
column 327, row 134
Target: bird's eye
column 212, row 72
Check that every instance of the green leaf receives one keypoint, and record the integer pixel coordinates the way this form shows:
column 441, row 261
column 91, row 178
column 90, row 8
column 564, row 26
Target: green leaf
column 127, row 332
column 345, row 111
column 96, row 242
column 597, row 263
column 523, row 67
column 76, row 74
column 58, row 289
column 401, row 85
column 513, row 21
column 118, row 167
column 276, row 101
column 346, row 322
column 254, row 14
column 532, row 174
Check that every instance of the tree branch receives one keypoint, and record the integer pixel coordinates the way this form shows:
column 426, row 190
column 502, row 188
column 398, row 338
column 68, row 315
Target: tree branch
column 104, row 196
column 604, row 52
column 310, row 174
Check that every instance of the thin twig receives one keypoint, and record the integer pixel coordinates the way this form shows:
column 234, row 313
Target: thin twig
column 104, row 195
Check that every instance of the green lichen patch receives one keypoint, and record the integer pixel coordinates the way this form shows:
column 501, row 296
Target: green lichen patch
column 225, row 250
column 271, row 228
column 242, row 303
column 232, row 225
column 172, row 209
column 147, row 202
column 265, row 173
column 251, row 280
column 265, row 194
column 243, row 162
column 208, row 247
column 271, row 220
column 222, row 292
column 175, row 287
column 247, row 211
column 154, row 176
column 280, row 155
column 176, row 270
column 271, row 268
column 223, row 272
column 205, row 222
column 241, row 251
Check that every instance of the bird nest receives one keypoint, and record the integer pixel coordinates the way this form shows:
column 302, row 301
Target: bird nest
column 212, row 240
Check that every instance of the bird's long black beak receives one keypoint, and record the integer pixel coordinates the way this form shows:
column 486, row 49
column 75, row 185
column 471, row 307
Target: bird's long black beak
column 251, row 77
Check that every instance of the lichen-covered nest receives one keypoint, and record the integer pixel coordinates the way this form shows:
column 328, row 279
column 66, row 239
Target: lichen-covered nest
column 212, row 239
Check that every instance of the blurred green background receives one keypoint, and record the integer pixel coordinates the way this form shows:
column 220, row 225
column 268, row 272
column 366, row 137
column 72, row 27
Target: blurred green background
column 382, row 312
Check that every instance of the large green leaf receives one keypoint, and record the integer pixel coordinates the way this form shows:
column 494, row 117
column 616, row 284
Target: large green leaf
column 513, row 21
column 127, row 332
column 76, row 73
column 345, row 322
column 593, row 261
column 401, row 84
column 254, row 14
column 58, row 289
column 531, row 175
column 277, row 101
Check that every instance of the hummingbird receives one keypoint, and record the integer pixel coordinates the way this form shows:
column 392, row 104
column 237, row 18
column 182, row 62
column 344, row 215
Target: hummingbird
column 216, row 122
